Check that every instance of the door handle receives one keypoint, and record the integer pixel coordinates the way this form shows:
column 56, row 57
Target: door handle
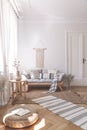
column 84, row 60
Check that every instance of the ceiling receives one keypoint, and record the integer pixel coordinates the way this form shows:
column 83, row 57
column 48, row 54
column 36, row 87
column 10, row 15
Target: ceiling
column 52, row 10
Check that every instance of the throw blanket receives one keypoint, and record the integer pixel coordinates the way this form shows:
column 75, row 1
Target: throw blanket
column 58, row 78
column 53, row 86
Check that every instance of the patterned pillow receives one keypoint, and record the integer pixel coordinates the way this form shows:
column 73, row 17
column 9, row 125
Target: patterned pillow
column 28, row 76
column 35, row 74
column 51, row 75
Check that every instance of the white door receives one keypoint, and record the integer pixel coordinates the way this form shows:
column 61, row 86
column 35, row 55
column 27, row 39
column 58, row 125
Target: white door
column 76, row 56
column 85, row 59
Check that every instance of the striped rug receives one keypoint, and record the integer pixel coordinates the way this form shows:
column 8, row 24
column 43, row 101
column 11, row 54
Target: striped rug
column 68, row 110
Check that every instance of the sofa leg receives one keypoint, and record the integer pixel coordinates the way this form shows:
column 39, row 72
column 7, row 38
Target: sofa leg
column 60, row 85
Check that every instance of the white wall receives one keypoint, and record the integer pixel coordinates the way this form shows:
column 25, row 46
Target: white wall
column 51, row 36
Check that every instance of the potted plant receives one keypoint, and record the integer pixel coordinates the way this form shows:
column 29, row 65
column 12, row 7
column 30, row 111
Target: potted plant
column 68, row 80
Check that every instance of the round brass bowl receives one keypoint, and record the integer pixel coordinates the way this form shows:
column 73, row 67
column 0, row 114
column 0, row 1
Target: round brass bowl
column 15, row 120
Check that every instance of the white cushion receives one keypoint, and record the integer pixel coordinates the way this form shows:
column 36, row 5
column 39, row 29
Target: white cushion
column 45, row 76
column 60, row 76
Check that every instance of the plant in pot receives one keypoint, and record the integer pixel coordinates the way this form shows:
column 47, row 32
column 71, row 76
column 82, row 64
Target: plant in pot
column 68, row 80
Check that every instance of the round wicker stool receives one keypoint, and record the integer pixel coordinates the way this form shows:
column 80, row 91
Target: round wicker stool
column 20, row 116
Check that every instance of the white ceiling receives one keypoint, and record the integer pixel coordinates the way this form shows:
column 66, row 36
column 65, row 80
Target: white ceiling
column 58, row 10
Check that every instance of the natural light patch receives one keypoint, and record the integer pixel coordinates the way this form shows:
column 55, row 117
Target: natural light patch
column 40, row 125
column 2, row 126
column 33, row 117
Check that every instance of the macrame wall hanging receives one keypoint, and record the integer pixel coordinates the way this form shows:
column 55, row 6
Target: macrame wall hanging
column 40, row 57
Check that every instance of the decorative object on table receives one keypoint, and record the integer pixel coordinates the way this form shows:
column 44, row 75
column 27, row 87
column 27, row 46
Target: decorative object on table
column 68, row 80
column 17, row 67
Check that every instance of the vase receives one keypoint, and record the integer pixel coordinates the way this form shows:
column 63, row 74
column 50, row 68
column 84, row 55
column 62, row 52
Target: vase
column 18, row 76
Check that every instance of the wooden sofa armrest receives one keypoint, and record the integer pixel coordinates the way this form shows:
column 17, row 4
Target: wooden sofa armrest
column 60, row 84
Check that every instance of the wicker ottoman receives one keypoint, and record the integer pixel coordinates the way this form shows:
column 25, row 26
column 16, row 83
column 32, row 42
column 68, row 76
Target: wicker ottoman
column 20, row 116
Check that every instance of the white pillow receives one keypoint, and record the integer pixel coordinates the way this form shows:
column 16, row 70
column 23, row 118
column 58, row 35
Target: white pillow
column 53, row 71
column 60, row 76
column 23, row 77
column 45, row 76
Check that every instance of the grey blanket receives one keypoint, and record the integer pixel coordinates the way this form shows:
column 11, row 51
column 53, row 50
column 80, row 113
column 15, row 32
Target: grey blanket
column 53, row 87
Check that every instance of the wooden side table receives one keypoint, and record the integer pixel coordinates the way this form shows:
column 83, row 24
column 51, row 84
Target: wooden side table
column 18, row 85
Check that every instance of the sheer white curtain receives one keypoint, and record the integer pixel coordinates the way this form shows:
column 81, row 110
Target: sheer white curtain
column 8, row 40
column 9, row 34
column 13, row 40
column 5, row 34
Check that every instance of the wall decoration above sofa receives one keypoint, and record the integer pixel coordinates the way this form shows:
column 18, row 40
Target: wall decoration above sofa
column 40, row 57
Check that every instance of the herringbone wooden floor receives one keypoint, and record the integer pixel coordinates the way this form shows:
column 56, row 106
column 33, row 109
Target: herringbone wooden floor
column 47, row 120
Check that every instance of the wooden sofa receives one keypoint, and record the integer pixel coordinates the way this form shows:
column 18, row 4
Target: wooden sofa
column 39, row 77
column 45, row 83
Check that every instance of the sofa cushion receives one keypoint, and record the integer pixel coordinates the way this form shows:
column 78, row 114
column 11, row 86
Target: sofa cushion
column 51, row 75
column 60, row 76
column 28, row 76
column 35, row 74
column 45, row 76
